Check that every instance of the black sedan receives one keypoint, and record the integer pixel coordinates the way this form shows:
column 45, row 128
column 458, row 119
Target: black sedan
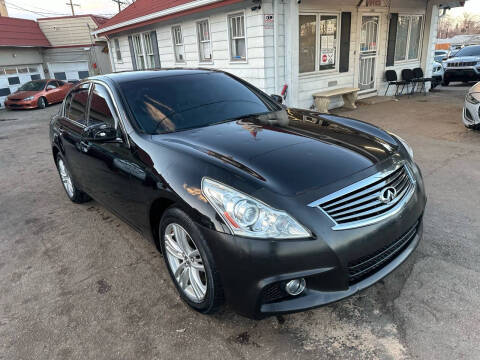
column 272, row 209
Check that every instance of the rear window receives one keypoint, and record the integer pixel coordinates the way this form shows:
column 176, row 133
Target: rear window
column 178, row 102
column 469, row 51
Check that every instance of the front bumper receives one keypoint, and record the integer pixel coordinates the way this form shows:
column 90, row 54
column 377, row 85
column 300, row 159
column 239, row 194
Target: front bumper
column 10, row 104
column 254, row 271
column 462, row 74
column 471, row 114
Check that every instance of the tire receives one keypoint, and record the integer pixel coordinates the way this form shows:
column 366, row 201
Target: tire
column 68, row 183
column 42, row 103
column 202, row 290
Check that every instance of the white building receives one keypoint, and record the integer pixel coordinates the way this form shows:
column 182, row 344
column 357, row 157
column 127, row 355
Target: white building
column 304, row 46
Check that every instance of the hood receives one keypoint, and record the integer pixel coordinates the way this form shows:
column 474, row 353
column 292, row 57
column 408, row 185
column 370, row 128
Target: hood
column 22, row 94
column 475, row 88
column 294, row 153
column 463, row 59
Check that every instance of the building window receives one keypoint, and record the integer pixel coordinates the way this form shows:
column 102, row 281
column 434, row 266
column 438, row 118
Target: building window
column 238, row 48
column 409, row 30
column 204, row 43
column 116, row 45
column 178, row 44
column 13, row 80
column 143, row 51
column 318, row 42
column 149, row 55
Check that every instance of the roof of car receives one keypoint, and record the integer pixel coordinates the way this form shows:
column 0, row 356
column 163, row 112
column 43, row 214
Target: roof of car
column 127, row 76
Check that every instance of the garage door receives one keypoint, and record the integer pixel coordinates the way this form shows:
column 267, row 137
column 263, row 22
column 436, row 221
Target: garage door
column 12, row 77
column 68, row 70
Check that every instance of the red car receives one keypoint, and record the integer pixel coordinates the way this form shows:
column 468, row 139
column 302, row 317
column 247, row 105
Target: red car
column 38, row 93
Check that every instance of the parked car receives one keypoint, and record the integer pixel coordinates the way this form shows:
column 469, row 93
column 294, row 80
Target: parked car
column 463, row 66
column 437, row 74
column 273, row 209
column 441, row 55
column 471, row 108
column 38, row 94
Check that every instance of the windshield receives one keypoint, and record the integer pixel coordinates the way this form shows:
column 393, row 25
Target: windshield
column 32, row 86
column 469, row 51
column 184, row 101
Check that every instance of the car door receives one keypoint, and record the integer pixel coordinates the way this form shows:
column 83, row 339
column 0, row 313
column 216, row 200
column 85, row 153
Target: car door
column 52, row 92
column 110, row 163
column 71, row 128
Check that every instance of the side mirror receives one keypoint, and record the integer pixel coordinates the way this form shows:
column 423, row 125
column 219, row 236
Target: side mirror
column 100, row 132
column 277, row 98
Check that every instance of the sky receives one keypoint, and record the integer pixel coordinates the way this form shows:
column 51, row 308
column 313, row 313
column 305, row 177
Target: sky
column 32, row 9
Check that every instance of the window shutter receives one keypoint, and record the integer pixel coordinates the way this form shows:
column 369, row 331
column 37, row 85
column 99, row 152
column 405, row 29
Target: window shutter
column 345, row 41
column 392, row 38
column 132, row 52
column 156, row 54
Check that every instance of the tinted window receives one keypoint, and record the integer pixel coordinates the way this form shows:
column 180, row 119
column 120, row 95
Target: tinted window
column 101, row 107
column 178, row 102
column 60, row 76
column 32, row 86
column 469, row 51
column 76, row 105
column 13, row 80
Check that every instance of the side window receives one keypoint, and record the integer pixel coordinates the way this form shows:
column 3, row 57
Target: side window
column 52, row 85
column 77, row 104
column 101, row 107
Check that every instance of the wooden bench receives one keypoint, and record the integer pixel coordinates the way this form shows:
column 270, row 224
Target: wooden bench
column 322, row 98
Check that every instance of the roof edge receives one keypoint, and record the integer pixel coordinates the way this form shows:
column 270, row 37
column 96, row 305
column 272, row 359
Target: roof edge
column 158, row 14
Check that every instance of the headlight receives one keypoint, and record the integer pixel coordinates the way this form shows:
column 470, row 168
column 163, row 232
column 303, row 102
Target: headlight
column 473, row 98
column 405, row 145
column 28, row 98
column 247, row 216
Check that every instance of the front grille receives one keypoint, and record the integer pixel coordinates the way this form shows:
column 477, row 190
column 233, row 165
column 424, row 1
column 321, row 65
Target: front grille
column 15, row 99
column 365, row 266
column 462, row 64
column 361, row 203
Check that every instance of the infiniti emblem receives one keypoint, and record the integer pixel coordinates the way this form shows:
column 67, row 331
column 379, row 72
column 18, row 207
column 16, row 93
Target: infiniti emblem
column 388, row 194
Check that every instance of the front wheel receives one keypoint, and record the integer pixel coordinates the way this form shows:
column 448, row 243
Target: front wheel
column 73, row 193
column 42, row 103
column 190, row 262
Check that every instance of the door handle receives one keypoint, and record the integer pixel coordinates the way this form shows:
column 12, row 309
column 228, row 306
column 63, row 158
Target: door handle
column 84, row 146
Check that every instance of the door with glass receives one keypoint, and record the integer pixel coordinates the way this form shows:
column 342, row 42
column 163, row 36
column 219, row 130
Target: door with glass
column 368, row 52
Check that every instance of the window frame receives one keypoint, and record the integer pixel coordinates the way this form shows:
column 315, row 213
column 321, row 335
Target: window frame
column 68, row 101
column 407, row 45
column 143, row 50
column 318, row 15
column 116, row 46
column 175, row 45
column 109, row 101
column 197, row 23
column 230, row 38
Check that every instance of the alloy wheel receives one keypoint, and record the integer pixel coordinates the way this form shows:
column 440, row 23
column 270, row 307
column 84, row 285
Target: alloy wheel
column 185, row 262
column 66, row 179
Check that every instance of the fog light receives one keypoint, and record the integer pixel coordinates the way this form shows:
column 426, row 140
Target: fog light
column 295, row 287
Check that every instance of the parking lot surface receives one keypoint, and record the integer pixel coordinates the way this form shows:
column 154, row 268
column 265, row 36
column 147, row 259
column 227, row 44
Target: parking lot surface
column 78, row 283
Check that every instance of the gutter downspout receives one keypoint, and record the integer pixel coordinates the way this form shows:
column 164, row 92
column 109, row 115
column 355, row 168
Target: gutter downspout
column 275, row 57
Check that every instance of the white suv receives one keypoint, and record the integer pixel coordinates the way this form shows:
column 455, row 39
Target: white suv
column 471, row 108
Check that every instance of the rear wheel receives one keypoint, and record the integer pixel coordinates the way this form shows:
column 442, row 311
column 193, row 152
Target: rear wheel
column 73, row 193
column 189, row 262
column 41, row 103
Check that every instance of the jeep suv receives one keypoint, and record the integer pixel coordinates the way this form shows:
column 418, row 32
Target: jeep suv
column 464, row 66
